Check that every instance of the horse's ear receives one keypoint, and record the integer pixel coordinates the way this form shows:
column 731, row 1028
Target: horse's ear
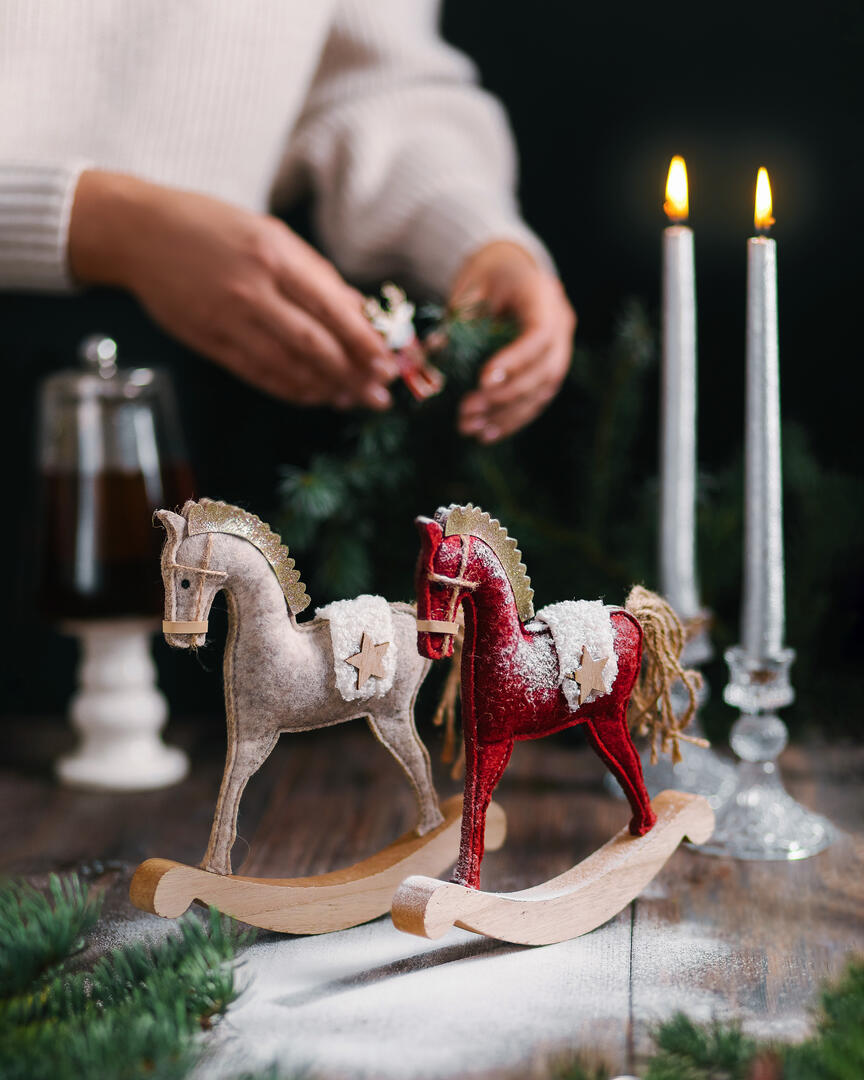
column 175, row 527
column 430, row 531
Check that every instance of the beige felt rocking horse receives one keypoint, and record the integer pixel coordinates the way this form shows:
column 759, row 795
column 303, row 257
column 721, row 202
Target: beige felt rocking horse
column 281, row 676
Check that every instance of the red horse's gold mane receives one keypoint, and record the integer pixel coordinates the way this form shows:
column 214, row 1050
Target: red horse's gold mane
column 470, row 520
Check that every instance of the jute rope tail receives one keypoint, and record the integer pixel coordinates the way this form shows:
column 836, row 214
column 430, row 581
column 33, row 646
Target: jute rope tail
column 651, row 711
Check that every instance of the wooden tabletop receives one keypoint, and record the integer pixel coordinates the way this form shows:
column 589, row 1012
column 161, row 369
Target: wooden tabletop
column 711, row 936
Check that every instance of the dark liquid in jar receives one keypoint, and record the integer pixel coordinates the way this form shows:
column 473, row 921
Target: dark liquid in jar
column 100, row 546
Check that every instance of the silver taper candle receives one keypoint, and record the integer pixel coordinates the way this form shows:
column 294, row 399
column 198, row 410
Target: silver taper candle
column 761, row 820
column 699, row 769
column 677, row 555
column 763, row 610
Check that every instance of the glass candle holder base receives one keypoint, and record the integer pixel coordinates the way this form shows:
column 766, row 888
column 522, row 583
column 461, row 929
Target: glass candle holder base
column 763, row 822
column 700, row 771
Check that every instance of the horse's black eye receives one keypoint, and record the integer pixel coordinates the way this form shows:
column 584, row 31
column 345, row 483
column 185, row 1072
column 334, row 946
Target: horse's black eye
column 184, row 584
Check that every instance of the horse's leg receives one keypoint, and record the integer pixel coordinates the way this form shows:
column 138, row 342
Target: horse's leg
column 484, row 764
column 611, row 738
column 247, row 758
column 399, row 735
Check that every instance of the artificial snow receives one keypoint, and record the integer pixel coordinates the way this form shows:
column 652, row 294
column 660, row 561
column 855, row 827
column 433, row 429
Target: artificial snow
column 349, row 620
column 371, row 1003
column 576, row 625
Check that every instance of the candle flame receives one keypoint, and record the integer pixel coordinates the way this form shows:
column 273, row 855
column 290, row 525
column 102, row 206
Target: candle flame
column 762, row 217
column 677, row 206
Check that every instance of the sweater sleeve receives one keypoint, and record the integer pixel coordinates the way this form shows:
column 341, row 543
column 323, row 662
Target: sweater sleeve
column 35, row 204
column 412, row 163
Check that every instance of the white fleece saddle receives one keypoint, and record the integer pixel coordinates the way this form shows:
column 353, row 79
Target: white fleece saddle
column 578, row 625
column 349, row 621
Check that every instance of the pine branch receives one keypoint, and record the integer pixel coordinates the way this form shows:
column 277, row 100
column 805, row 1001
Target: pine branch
column 37, row 934
column 836, row 1052
column 688, row 1051
column 137, row 1013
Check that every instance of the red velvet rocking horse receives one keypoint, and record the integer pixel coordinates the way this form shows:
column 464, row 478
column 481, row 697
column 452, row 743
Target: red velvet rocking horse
column 513, row 687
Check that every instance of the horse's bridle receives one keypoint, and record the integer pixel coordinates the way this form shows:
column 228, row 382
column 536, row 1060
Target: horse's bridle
column 449, row 625
column 194, row 626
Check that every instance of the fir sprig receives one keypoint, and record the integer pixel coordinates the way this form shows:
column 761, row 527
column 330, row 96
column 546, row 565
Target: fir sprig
column 136, row 1013
column 688, row 1051
column 37, row 933
column 836, row 1051
column 467, row 336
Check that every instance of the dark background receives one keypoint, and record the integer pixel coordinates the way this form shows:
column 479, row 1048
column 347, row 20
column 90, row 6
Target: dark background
column 600, row 98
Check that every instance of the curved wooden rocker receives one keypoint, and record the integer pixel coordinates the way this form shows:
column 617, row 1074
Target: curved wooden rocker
column 577, row 901
column 311, row 905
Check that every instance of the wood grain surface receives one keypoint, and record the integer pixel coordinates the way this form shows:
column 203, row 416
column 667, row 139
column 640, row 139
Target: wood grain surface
column 708, row 935
column 584, row 897
column 311, row 905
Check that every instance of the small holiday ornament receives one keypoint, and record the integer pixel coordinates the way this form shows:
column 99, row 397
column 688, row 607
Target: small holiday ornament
column 394, row 321
column 357, row 658
column 525, row 676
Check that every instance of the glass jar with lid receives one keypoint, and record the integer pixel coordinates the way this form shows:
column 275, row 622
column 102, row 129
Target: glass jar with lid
column 110, row 453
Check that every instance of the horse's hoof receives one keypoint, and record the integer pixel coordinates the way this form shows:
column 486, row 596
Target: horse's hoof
column 223, row 869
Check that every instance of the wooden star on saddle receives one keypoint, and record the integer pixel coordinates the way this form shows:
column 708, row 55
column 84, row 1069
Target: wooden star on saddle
column 369, row 661
column 589, row 676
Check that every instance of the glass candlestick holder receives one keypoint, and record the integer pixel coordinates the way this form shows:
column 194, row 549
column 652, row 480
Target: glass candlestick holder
column 762, row 820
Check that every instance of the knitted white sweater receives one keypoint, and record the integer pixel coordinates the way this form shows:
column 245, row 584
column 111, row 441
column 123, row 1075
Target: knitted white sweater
column 250, row 100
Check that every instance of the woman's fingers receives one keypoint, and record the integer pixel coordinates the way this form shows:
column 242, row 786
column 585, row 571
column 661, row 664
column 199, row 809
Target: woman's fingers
column 309, row 281
column 492, row 415
column 256, row 356
column 306, row 341
column 521, row 367
column 505, row 420
column 521, row 379
column 240, row 287
column 537, row 378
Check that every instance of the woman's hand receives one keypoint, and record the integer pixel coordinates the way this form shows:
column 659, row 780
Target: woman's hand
column 520, row 380
column 238, row 287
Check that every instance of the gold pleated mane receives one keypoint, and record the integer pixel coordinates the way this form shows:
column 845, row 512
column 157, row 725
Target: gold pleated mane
column 470, row 520
column 208, row 515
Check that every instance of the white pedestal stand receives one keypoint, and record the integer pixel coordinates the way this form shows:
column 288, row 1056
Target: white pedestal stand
column 119, row 712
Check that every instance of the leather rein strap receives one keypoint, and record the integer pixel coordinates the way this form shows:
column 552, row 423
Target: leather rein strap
column 449, row 626
column 199, row 627
column 437, row 626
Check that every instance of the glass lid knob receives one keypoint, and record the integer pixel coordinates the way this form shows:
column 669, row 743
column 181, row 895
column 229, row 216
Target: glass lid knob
column 98, row 353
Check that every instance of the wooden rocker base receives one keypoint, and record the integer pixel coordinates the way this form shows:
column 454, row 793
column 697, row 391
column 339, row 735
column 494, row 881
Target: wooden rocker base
column 581, row 899
column 312, row 905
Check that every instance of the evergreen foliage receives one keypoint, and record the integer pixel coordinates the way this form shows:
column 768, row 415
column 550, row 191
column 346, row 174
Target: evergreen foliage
column 136, row 1013
column 836, row 1051
column 37, row 935
column 688, row 1051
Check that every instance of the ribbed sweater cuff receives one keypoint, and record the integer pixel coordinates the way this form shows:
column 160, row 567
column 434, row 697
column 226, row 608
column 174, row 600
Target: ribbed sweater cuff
column 35, row 205
column 453, row 225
